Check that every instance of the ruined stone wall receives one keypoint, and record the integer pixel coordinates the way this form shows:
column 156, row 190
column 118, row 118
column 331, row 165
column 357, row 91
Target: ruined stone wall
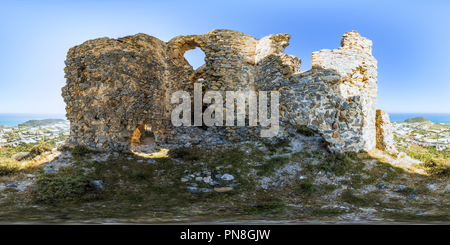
column 313, row 100
column 358, row 71
column 385, row 136
column 116, row 87
column 111, row 88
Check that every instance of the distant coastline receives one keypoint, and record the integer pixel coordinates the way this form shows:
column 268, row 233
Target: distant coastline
column 433, row 117
column 12, row 119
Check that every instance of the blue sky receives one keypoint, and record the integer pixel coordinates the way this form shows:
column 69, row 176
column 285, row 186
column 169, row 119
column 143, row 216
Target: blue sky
column 411, row 41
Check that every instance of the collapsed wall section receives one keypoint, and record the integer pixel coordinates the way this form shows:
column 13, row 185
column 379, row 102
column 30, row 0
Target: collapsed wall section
column 313, row 100
column 385, row 136
column 354, row 62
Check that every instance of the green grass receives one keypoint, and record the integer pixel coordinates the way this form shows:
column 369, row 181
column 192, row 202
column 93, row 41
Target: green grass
column 285, row 150
column 54, row 188
column 280, row 144
column 401, row 216
column 185, row 154
column 163, row 160
column 325, row 211
column 436, row 163
column 342, row 163
column 363, row 200
column 9, row 166
column 356, row 181
column 264, row 208
column 306, row 187
column 301, row 154
column 305, row 131
column 421, row 189
column 438, row 167
column 310, row 167
column 330, row 187
column 41, row 148
column 384, row 167
column 80, row 151
column 370, row 180
column 392, row 205
column 272, row 164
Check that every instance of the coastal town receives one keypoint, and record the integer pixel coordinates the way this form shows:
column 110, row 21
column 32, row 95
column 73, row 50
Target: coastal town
column 14, row 136
column 422, row 134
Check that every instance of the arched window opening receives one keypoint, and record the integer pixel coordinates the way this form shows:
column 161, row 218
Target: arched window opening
column 195, row 57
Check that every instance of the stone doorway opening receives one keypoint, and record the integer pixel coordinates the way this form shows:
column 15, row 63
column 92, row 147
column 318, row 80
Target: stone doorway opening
column 142, row 136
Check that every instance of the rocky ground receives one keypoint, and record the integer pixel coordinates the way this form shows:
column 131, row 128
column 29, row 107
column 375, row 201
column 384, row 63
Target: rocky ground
column 294, row 180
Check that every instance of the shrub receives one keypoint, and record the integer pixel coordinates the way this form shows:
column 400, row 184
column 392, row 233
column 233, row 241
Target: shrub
column 340, row 164
column 365, row 200
column 305, row 131
column 183, row 153
column 55, row 189
column 439, row 167
column 163, row 160
column 41, row 148
column 21, row 156
column 80, row 150
column 330, row 187
column 264, row 208
column 276, row 146
column 148, row 134
column 282, row 143
column 306, row 187
column 8, row 166
column 326, row 211
column 61, row 147
column 272, row 164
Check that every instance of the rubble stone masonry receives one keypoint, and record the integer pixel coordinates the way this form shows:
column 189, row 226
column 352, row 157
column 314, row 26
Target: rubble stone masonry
column 385, row 136
column 116, row 88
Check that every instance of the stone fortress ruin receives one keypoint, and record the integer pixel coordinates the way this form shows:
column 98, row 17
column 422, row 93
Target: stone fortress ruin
column 116, row 88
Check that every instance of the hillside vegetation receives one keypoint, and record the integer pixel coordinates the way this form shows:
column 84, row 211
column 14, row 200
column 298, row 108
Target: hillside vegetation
column 418, row 120
column 33, row 123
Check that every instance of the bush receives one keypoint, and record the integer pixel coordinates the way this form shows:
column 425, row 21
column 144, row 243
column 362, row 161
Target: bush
column 9, row 166
column 341, row 163
column 276, row 146
column 55, row 189
column 439, row 167
column 306, row 187
column 80, row 150
column 272, row 164
column 183, row 153
column 305, row 131
column 264, row 208
column 364, row 200
column 21, row 156
column 61, row 147
column 41, row 148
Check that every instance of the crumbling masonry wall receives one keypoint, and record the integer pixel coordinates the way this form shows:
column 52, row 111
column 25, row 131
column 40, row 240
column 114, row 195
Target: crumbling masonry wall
column 116, row 88
column 385, row 136
column 358, row 81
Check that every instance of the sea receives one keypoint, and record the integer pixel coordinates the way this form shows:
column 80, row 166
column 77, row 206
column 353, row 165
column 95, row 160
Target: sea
column 433, row 117
column 12, row 119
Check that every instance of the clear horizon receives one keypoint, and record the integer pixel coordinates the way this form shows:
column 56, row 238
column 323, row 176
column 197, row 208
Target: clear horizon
column 410, row 41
